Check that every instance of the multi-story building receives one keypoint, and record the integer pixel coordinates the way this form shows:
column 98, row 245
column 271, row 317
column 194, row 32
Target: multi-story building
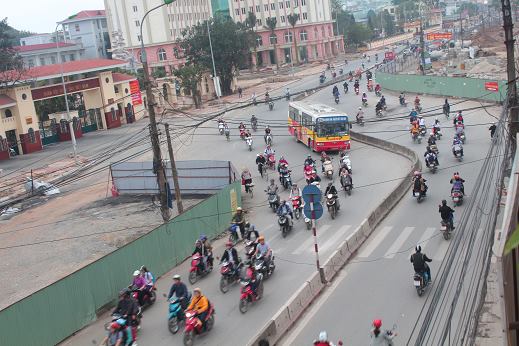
column 37, row 39
column 89, row 29
column 47, row 53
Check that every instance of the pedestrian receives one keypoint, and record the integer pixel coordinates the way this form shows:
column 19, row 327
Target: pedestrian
column 254, row 98
column 492, row 129
column 240, row 91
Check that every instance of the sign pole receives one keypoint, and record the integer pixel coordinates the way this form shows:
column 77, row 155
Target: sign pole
column 316, row 248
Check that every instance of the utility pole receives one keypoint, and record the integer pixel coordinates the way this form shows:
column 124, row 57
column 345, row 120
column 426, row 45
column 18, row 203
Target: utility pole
column 174, row 171
column 422, row 41
column 508, row 26
column 461, row 29
column 158, row 165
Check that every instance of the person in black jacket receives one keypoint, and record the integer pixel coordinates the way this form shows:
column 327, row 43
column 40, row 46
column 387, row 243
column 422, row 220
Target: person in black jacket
column 447, row 213
column 419, row 261
column 230, row 254
column 179, row 289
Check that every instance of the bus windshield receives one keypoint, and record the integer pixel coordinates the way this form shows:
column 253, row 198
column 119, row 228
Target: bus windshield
column 332, row 127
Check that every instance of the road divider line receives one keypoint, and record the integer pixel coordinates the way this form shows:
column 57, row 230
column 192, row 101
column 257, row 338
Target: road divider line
column 308, row 243
column 399, row 242
column 335, row 239
column 375, row 242
column 426, row 236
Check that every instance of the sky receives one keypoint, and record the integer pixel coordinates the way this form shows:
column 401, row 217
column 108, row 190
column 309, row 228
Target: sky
column 41, row 15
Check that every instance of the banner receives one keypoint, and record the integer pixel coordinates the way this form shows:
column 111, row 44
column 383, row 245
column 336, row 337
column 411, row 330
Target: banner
column 491, row 86
column 135, row 91
column 439, row 36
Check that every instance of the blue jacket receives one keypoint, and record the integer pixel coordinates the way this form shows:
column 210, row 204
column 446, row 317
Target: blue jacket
column 179, row 289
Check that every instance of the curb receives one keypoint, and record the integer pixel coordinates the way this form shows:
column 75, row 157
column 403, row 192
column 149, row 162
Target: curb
column 289, row 313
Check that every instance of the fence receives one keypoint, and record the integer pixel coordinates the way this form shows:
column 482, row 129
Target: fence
column 60, row 309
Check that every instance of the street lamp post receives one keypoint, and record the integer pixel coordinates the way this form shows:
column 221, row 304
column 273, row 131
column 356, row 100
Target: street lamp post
column 215, row 78
column 158, row 165
column 70, row 122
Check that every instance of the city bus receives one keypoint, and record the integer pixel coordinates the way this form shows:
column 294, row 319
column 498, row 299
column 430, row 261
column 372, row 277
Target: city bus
column 318, row 126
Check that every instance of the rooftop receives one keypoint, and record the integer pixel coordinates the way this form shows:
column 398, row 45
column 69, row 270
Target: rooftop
column 6, row 101
column 42, row 46
column 122, row 77
column 87, row 14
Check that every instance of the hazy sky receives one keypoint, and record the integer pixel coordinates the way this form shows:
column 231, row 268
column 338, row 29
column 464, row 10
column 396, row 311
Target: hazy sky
column 41, row 15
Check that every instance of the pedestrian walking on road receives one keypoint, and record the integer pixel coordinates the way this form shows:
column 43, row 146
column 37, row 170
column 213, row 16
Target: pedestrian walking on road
column 240, row 92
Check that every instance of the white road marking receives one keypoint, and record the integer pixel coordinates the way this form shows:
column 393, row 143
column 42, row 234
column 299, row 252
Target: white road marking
column 308, row 242
column 336, row 239
column 427, row 235
column 377, row 240
column 296, row 330
column 442, row 249
column 399, row 242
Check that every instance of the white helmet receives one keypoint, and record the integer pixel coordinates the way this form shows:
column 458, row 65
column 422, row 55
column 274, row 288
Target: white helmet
column 323, row 336
column 137, row 272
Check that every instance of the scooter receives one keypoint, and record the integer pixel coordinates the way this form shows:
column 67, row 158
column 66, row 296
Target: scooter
column 346, row 184
column 176, row 314
column 194, row 327
column 284, row 225
column 364, row 102
column 195, row 272
column 268, row 139
column 220, row 128
column 150, row 296
column 328, row 169
column 297, row 207
column 356, row 90
column 271, row 161
column 457, row 197
column 419, row 195
column 271, row 105
column 249, row 143
column 254, row 125
column 242, row 134
column 273, row 199
column 420, row 282
column 446, row 229
column 336, row 99
column 331, row 203
column 228, row 134
column 247, row 296
column 261, row 267
column 286, row 180
column 233, row 236
column 230, row 275
column 458, row 153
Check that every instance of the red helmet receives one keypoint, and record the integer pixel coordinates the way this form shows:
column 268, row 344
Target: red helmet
column 377, row 324
column 114, row 325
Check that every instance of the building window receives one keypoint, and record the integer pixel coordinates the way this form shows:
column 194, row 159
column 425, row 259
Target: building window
column 273, row 39
column 266, row 8
column 175, row 52
column 258, row 8
column 76, row 27
column 52, row 59
column 259, row 41
column 8, row 113
column 42, row 61
column 303, row 35
column 281, row 5
column 162, row 54
column 251, row 9
column 32, row 137
column 303, row 2
column 288, row 3
column 30, row 62
column 288, row 37
column 296, row 3
column 72, row 57
column 282, row 19
column 258, row 22
column 137, row 23
column 243, row 11
column 237, row 11
column 134, row 8
column 273, row 6
column 116, row 89
column 305, row 15
column 165, row 91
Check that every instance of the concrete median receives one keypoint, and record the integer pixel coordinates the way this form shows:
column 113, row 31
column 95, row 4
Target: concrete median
column 311, row 289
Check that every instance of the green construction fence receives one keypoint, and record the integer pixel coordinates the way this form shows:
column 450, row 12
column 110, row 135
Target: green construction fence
column 51, row 314
column 462, row 87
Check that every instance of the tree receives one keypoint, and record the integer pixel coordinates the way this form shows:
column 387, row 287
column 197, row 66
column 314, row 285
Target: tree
column 271, row 24
column 190, row 77
column 231, row 44
column 358, row 34
column 387, row 23
column 292, row 20
column 251, row 23
column 11, row 63
column 372, row 20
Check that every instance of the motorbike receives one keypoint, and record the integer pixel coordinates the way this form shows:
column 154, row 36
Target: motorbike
column 150, row 296
column 378, row 93
column 271, row 162
column 360, row 121
column 228, row 134
column 250, row 248
column 433, row 167
column 378, row 112
column 263, row 170
column 254, row 125
column 328, row 169
column 176, row 314
column 418, row 108
column 423, row 131
column 419, row 195
column 133, row 327
column 250, row 188
column 273, row 199
column 446, row 229
column 463, row 138
column 242, row 134
column 297, row 206
column 284, row 224
column 438, row 134
column 336, row 99
column 402, row 102
column 286, row 179
column 195, row 272
column 249, row 143
column 370, row 87
column 322, row 79
column 416, row 137
column 446, row 113
column 247, row 296
column 233, row 236
column 193, row 327
column 260, row 265
column 220, row 128
column 287, row 96
column 308, row 223
column 457, row 152
column 457, row 197
column 356, row 90
column 230, row 275
column 268, row 139
column 331, row 203
column 346, row 184
column 271, row 105
column 346, row 162
column 434, row 149
column 365, row 102
column 420, row 283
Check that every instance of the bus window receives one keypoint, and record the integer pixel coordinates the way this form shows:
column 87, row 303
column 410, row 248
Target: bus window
column 292, row 113
column 332, row 129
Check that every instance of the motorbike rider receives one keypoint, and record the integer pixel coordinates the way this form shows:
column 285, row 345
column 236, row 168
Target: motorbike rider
column 432, row 139
column 283, row 171
column 267, row 132
column 264, row 250
column 369, row 74
column 148, row 277
column 415, row 130
column 356, row 84
column 309, row 161
column 447, row 213
column 460, row 129
column 378, row 88
column 204, row 249
column 323, row 340
column 179, row 289
column 295, row 192
column 360, row 115
column 378, row 107
column 246, row 179
column 430, row 157
column 287, row 93
column 364, row 98
column 126, row 306
column 282, row 161
column 200, row 305
column 446, row 107
column 335, row 90
column 401, row 99
column 419, row 183
column 421, row 122
column 115, row 336
column 324, row 158
column 417, row 101
column 458, row 118
column 260, row 161
column 268, row 152
column 457, row 182
column 239, row 219
column 456, row 144
column 436, row 127
column 272, row 188
column 383, row 101
column 241, row 127
column 267, row 96
column 139, row 284
column 380, row 338
column 419, row 261
column 230, row 255
column 285, row 209
column 330, row 189
column 413, row 116
column 345, row 86
column 492, row 130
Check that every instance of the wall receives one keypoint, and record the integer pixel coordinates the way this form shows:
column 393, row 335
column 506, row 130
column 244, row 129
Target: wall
column 71, row 303
column 27, row 146
column 470, row 88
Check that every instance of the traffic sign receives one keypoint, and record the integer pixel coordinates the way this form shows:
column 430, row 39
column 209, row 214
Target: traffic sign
column 318, row 210
column 310, row 191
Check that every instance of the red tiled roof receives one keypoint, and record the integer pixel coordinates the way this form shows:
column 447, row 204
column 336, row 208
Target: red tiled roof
column 122, row 77
column 42, row 46
column 6, row 100
column 85, row 15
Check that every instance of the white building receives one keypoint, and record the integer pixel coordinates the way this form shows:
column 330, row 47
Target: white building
column 89, row 28
column 46, row 53
column 37, row 39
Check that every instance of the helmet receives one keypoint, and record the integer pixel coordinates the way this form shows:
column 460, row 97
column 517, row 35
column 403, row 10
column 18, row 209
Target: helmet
column 323, row 336
column 176, row 277
column 203, row 237
column 137, row 272
column 444, row 202
column 283, row 201
column 417, row 173
column 309, row 157
column 420, row 116
column 239, row 209
column 114, row 325
column 267, row 126
column 330, row 183
column 377, row 324
column 261, row 238
column 418, row 248
column 360, row 108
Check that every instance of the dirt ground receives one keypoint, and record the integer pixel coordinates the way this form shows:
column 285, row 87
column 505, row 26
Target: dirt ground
column 86, row 228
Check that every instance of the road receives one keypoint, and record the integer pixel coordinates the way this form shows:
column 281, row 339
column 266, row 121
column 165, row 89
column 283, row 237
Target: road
column 377, row 283
column 294, row 255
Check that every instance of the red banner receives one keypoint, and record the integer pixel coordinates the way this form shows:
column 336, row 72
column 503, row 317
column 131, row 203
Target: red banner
column 439, row 36
column 136, row 92
column 491, row 86
column 57, row 89
column 389, row 55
